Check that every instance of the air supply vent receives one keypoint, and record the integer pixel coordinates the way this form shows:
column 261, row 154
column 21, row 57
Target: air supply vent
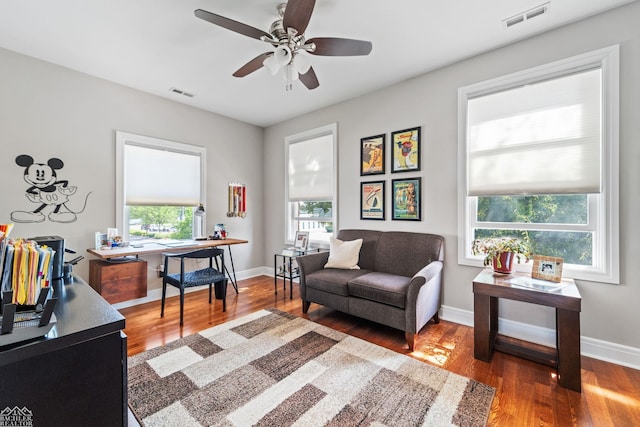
column 526, row 15
column 181, row 92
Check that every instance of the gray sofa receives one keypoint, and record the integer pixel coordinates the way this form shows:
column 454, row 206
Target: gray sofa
column 398, row 283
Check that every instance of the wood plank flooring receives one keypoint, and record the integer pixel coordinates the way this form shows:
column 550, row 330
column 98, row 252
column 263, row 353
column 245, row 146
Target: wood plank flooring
column 527, row 392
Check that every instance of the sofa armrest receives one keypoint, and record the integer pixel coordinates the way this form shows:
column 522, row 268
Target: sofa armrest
column 423, row 296
column 307, row 265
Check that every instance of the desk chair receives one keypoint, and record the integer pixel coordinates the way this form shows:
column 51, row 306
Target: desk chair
column 187, row 279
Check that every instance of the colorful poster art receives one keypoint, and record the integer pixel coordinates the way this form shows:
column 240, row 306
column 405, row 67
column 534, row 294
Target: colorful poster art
column 407, row 199
column 406, row 150
column 372, row 200
column 372, row 155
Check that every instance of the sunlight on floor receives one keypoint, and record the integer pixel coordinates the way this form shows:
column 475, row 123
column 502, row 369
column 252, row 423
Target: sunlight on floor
column 436, row 356
column 612, row 395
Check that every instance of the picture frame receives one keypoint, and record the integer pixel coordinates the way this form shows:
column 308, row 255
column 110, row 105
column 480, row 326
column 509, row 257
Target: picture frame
column 372, row 203
column 372, row 158
column 547, row 268
column 407, row 199
column 302, row 240
column 405, row 146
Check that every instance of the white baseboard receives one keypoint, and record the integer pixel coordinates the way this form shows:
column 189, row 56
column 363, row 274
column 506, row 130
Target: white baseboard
column 590, row 347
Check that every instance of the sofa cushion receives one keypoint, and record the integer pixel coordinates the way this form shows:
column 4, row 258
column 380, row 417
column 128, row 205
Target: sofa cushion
column 332, row 280
column 344, row 255
column 369, row 245
column 404, row 253
column 384, row 288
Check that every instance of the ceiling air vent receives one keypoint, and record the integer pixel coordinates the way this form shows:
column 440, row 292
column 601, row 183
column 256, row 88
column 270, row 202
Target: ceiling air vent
column 526, row 15
column 181, row 92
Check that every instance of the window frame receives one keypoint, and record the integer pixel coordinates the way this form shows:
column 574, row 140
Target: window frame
column 124, row 138
column 603, row 207
column 289, row 230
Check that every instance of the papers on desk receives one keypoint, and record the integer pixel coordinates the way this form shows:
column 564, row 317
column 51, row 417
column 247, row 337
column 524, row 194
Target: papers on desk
column 25, row 268
column 176, row 243
column 537, row 284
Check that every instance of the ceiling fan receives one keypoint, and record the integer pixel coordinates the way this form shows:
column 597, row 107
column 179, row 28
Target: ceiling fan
column 286, row 36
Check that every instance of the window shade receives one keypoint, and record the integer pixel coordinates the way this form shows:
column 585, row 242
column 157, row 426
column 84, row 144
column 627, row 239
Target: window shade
column 542, row 138
column 160, row 177
column 311, row 169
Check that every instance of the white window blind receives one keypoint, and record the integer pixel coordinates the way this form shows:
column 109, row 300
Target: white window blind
column 161, row 177
column 540, row 138
column 311, row 169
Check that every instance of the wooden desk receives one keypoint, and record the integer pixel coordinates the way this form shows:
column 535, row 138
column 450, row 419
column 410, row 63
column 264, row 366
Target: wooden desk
column 158, row 248
column 489, row 287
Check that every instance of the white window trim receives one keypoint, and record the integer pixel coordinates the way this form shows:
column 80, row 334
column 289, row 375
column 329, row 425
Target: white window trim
column 606, row 254
column 123, row 138
column 330, row 129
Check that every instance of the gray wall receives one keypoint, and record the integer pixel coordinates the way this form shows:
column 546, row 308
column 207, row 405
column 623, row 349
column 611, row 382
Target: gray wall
column 609, row 312
column 50, row 111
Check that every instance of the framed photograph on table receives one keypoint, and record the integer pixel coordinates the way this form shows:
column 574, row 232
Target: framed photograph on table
column 406, row 150
column 372, row 200
column 407, row 199
column 302, row 240
column 372, row 155
column 547, row 268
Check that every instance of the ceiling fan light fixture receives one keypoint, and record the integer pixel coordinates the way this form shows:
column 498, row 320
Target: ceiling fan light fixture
column 271, row 64
column 301, row 63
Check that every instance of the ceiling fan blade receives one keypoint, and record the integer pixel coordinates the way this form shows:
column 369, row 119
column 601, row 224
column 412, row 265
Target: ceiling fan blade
column 332, row 46
column 253, row 65
column 297, row 14
column 232, row 25
column 309, row 79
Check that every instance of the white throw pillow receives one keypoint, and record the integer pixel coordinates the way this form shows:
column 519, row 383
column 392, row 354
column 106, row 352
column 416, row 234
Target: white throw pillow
column 344, row 255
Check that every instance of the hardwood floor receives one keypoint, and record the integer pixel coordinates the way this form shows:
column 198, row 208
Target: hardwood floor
column 527, row 393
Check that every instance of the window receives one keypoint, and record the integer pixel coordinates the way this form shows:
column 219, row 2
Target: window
column 311, row 184
column 158, row 184
column 538, row 154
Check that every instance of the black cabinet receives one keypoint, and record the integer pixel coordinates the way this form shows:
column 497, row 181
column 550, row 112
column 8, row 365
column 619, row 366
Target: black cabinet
column 77, row 374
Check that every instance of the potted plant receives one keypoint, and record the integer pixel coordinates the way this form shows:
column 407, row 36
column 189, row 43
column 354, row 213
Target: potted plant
column 501, row 251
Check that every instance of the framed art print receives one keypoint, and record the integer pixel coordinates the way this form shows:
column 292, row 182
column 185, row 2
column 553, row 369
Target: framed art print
column 372, row 200
column 302, row 240
column 547, row 268
column 407, row 199
column 406, row 150
column 372, row 155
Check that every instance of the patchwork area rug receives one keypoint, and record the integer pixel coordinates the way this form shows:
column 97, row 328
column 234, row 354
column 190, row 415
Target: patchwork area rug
column 274, row 369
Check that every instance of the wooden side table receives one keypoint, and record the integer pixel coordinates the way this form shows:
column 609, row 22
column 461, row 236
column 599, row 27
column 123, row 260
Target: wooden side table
column 489, row 287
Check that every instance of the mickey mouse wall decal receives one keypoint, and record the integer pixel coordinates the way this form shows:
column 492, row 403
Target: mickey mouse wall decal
column 46, row 190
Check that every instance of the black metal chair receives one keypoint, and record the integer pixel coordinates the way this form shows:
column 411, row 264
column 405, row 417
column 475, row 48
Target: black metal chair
column 187, row 279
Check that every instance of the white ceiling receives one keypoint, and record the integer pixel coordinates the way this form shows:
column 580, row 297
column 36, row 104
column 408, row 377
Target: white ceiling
column 154, row 45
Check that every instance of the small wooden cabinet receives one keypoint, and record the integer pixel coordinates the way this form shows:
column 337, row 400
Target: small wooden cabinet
column 119, row 281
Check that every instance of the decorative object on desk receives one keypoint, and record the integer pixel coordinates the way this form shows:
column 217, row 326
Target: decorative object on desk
column 199, row 223
column 372, row 155
column 501, row 251
column 372, row 200
column 237, row 200
column 547, row 268
column 272, row 368
column 406, row 150
column 407, row 200
column 302, row 240
column 219, row 232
